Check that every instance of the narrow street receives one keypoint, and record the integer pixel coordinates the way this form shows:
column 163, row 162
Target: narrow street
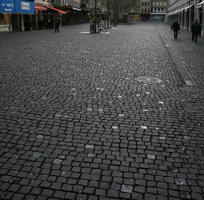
column 115, row 115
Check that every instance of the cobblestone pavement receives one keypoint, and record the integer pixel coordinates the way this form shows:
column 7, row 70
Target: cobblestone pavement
column 114, row 115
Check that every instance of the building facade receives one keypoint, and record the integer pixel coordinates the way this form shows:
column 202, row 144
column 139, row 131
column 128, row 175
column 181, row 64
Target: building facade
column 185, row 12
column 159, row 10
column 129, row 10
column 100, row 5
column 143, row 10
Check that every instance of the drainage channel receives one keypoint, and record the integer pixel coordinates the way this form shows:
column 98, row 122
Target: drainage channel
column 178, row 64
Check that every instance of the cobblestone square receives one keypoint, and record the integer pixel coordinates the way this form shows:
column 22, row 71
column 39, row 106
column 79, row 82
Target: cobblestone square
column 102, row 116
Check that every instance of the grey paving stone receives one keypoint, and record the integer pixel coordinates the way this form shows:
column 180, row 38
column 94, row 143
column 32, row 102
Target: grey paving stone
column 91, row 197
column 59, row 194
column 18, row 196
column 8, row 195
column 47, row 192
column 81, row 197
column 197, row 196
column 139, row 189
column 75, row 116
column 70, row 195
column 25, row 189
column 89, row 190
column 113, row 193
column 14, row 188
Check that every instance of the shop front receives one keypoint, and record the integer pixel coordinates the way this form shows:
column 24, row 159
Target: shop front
column 159, row 17
column 133, row 17
column 6, row 8
column 145, row 16
column 16, row 14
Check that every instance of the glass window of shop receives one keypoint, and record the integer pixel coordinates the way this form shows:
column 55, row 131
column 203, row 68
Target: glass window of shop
column 4, row 19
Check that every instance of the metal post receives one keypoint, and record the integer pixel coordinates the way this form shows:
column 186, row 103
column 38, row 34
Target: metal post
column 190, row 18
column 10, row 22
column 54, row 19
column 202, row 31
column 95, row 16
column 18, row 22
column 36, row 20
column 22, row 23
column 184, row 23
column 115, row 12
column 108, row 8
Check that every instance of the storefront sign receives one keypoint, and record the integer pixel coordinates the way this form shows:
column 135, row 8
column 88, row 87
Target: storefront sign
column 7, row 6
column 17, row 6
column 24, row 6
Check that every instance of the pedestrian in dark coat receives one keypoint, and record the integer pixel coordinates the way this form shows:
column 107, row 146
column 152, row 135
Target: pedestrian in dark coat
column 57, row 23
column 195, row 30
column 176, row 28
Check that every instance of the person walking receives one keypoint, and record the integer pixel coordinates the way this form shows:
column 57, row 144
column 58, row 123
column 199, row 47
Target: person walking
column 176, row 28
column 57, row 26
column 195, row 30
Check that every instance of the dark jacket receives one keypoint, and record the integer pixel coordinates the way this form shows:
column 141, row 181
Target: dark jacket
column 196, row 28
column 175, row 26
column 57, row 23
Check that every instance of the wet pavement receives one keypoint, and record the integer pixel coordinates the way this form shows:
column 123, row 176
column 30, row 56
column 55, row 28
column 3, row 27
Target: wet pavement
column 104, row 116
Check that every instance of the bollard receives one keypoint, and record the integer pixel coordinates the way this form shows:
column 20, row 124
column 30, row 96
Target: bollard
column 92, row 28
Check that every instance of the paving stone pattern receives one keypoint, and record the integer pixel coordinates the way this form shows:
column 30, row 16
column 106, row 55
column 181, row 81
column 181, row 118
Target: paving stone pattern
column 102, row 116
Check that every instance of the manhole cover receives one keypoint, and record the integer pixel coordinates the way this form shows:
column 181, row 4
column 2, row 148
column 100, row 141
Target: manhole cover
column 148, row 80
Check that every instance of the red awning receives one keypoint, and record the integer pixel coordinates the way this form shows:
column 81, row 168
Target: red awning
column 59, row 11
column 41, row 8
